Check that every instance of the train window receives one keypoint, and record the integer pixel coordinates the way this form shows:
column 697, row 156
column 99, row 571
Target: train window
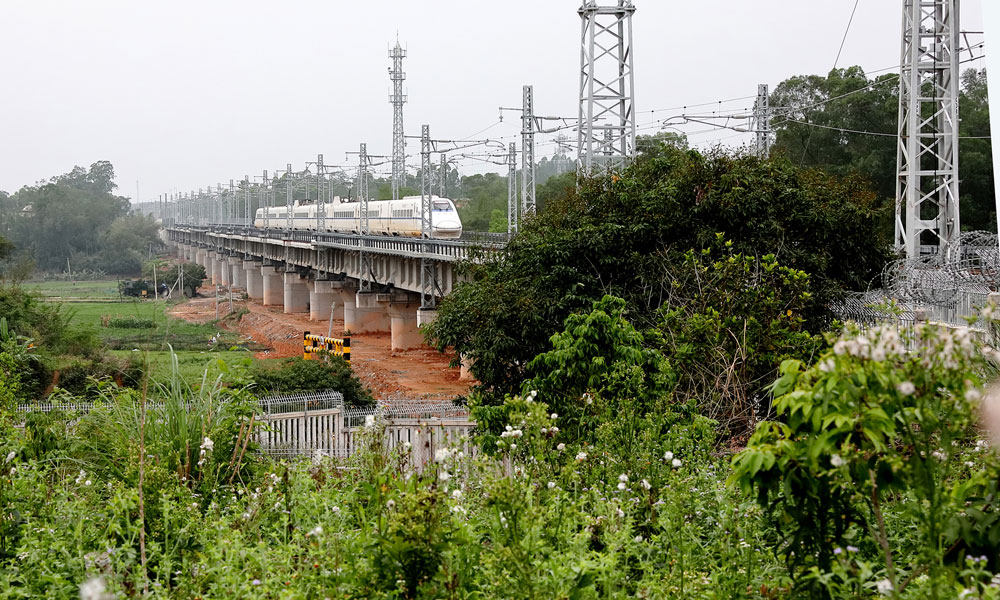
column 441, row 205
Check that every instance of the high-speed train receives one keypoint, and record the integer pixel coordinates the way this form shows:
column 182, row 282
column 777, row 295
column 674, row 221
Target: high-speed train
column 386, row 217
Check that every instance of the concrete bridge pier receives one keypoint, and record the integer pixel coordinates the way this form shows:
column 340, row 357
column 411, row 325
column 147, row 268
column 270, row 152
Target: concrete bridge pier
column 370, row 316
column 225, row 272
column 296, row 293
column 273, row 288
column 404, row 329
column 322, row 299
column 238, row 276
column 254, row 281
column 200, row 258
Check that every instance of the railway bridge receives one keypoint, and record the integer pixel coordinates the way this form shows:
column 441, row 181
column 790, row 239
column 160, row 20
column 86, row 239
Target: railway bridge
column 321, row 273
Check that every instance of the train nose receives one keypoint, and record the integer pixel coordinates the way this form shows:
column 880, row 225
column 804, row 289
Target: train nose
column 448, row 227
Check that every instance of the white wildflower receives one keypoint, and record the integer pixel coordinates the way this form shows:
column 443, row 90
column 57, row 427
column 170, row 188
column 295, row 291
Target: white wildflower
column 335, row 509
column 369, row 420
column 554, row 416
column 676, row 463
column 884, row 587
column 645, row 484
column 840, row 348
column 906, row 388
column 442, row 454
column 508, row 428
column 620, row 512
column 317, row 530
column 10, row 456
column 513, row 446
column 93, row 589
column 581, row 456
column 444, row 475
column 533, row 394
column 668, row 455
column 827, row 366
column 207, row 444
column 561, row 447
column 622, row 486
column 939, row 455
column 407, row 446
column 972, row 395
column 551, row 485
column 456, row 494
column 623, row 478
column 88, row 482
column 554, row 429
column 391, row 504
column 837, row 461
column 637, row 539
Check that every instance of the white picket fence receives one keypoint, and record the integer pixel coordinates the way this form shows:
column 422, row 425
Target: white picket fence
column 319, row 424
column 335, row 431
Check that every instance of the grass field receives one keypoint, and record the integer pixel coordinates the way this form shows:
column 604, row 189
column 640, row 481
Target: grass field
column 199, row 348
column 91, row 290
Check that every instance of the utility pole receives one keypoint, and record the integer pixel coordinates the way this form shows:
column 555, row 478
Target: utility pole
column 365, row 284
column 427, row 267
column 512, row 189
column 320, row 200
column 288, row 196
column 247, row 209
column 606, row 100
column 528, row 152
column 762, row 122
column 443, row 175
column 927, row 186
column 232, row 203
column 397, row 99
column 266, row 201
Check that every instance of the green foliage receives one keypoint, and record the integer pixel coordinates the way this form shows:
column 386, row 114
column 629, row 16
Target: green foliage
column 816, row 109
column 726, row 322
column 871, row 424
column 298, row 375
column 484, row 193
column 498, row 221
column 600, row 354
column 626, row 237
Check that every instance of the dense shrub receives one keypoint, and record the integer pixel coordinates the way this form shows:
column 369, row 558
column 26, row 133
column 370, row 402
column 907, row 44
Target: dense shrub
column 298, row 375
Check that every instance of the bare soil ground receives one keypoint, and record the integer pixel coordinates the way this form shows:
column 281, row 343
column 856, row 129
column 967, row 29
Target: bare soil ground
column 412, row 374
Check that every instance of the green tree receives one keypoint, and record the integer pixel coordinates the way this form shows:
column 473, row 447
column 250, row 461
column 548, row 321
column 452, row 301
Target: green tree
column 611, row 236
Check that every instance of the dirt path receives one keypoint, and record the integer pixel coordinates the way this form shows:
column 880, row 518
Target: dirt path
column 412, row 374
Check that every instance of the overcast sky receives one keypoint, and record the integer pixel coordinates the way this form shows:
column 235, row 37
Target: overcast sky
column 185, row 94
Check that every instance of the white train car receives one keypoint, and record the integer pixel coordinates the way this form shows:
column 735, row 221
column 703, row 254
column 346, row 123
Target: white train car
column 386, row 217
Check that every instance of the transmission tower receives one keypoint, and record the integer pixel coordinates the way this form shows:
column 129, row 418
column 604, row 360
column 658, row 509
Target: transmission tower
column 320, row 199
column 397, row 99
column 762, row 122
column 927, row 212
column 528, row 152
column 512, row 189
column 288, row 196
column 606, row 84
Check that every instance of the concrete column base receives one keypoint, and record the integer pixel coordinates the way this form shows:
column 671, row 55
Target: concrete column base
column 254, row 280
column 201, row 259
column 296, row 294
column 273, row 288
column 347, row 297
column 225, row 273
column 238, row 277
column 403, row 326
column 323, row 298
column 465, row 374
column 369, row 315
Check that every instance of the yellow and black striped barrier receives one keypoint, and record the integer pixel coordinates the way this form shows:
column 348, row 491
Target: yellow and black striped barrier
column 314, row 347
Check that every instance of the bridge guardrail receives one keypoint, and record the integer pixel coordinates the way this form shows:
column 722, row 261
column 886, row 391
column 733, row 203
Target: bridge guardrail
column 446, row 250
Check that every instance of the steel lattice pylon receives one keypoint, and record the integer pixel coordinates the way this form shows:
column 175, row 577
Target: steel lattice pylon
column 397, row 99
column 606, row 83
column 528, row 152
column 428, row 270
column 927, row 212
column 364, row 257
column 511, row 189
column 762, row 122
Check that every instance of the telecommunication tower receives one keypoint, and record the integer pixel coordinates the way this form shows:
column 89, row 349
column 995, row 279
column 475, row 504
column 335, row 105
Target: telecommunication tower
column 606, row 84
column 428, row 270
column 397, row 99
column 927, row 212
column 762, row 122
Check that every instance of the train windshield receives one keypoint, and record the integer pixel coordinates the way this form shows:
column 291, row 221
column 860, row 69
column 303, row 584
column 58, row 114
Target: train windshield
column 441, row 205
